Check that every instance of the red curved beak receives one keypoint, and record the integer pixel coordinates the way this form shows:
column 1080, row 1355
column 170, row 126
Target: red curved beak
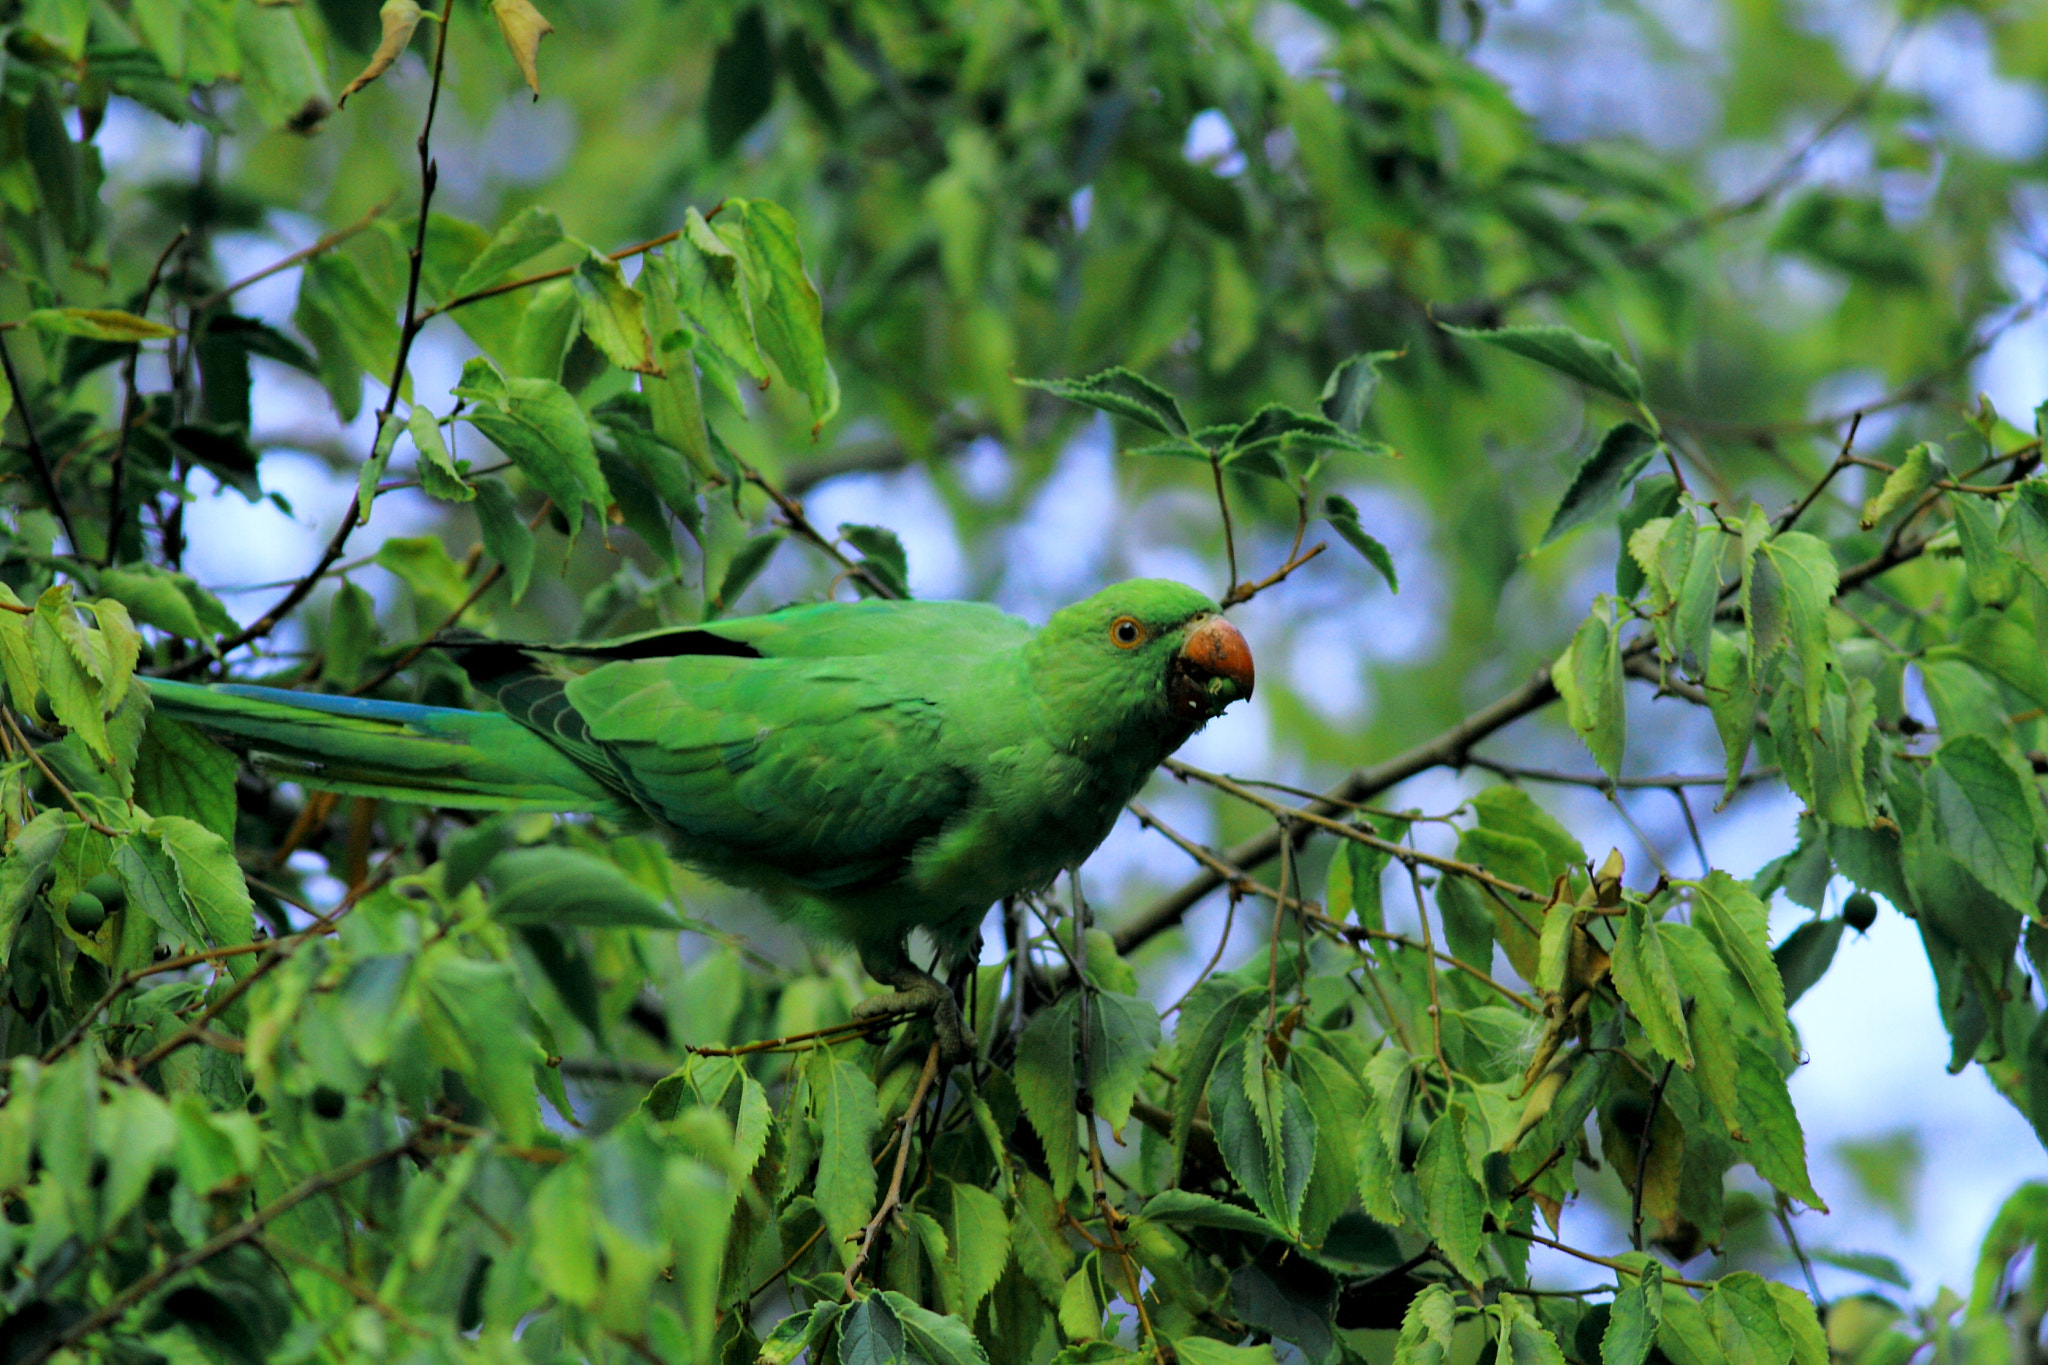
column 1212, row 670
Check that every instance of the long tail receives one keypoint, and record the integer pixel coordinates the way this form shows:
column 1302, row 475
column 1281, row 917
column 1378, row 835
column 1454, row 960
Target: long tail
column 435, row 755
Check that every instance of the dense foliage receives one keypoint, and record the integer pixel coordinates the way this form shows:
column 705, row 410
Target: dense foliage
column 296, row 1077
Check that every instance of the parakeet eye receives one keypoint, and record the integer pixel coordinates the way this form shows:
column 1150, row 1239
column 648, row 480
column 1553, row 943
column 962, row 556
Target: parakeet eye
column 1126, row 633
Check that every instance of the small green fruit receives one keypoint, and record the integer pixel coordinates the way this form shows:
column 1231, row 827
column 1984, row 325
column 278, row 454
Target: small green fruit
column 86, row 913
column 109, row 888
column 1859, row 912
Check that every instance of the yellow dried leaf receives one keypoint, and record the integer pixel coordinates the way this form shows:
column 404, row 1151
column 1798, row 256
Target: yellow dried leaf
column 523, row 27
column 400, row 18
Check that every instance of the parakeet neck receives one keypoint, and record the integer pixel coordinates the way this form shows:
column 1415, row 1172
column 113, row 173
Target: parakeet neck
column 1116, row 721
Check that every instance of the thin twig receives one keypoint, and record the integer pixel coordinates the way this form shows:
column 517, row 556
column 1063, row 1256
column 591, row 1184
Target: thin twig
column 144, row 1285
column 318, row 248
column 894, row 1197
column 1436, row 1009
column 37, row 456
column 131, row 406
column 1610, row 1262
column 1642, row 1162
column 70, row 797
column 283, row 949
column 408, row 331
column 1842, row 462
column 1242, row 883
column 528, row 281
column 1229, row 533
column 1601, row 782
column 1799, row 1253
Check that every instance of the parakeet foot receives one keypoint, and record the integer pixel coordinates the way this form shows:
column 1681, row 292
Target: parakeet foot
column 918, row 992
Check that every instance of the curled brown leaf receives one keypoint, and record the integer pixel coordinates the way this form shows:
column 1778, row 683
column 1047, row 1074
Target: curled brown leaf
column 400, row 18
column 523, row 27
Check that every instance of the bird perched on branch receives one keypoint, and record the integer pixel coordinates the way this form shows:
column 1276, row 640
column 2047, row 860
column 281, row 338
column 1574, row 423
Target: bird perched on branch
column 871, row 768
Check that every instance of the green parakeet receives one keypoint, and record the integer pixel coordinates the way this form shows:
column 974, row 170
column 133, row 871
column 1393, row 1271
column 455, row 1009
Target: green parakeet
column 871, row 768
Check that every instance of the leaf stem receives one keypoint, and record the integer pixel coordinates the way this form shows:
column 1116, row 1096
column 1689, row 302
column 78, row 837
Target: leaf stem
column 894, row 1198
column 37, row 456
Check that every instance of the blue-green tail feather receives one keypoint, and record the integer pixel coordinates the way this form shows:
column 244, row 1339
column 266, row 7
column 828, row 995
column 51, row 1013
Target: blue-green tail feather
column 435, row 755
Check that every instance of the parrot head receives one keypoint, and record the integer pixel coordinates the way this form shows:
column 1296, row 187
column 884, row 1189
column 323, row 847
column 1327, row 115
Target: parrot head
column 1147, row 650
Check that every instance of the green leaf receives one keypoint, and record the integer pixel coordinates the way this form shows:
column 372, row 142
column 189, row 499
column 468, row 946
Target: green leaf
column 2024, row 531
column 1121, row 393
column 1852, row 234
column 1998, row 644
column 742, row 89
column 179, row 771
column 881, row 555
column 372, row 471
column 1125, row 1032
column 72, row 665
column 1705, row 981
column 1993, row 575
column 1803, row 958
column 1743, row 1317
column 1453, row 1199
column 1593, row 363
column 26, row 870
column 1342, row 515
column 504, row 533
column 1644, row 976
column 1588, row 677
column 1738, row 925
column 1426, row 1328
column 1986, row 816
column 869, row 1334
column 1797, row 1315
column 1621, row 455
column 539, row 426
column 614, row 314
column 789, row 318
column 1523, row 1340
column 1347, row 393
column 711, row 292
column 1633, row 1321
column 530, row 232
column 280, row 75
column 1731, row 699
column 1918, row 472
column 424, row 565
column 562, row 887
column 1776, row 1147
column 1188, row 1209
column 935, row 1337
column 793, row 1334
column 351, row 329
column 1045, row 1081
column 211, row 882
column 1367, row 864
column 1264, row 1130
column 980, row 1234
column 1209, row 1351
column 1654, row 497
column 437, row 471
column 1787, row 584
column 97, row 324
column 1277, row 425
column 846, row 1108
column 741, row 570
column 168, row 600
column 475, row 1017
column 1866, row 1263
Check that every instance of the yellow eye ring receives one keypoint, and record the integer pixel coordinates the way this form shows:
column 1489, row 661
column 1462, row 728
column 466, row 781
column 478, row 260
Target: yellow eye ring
column 1126, row 633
